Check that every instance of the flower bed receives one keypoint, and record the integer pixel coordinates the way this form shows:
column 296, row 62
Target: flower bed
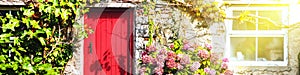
column 183, row 59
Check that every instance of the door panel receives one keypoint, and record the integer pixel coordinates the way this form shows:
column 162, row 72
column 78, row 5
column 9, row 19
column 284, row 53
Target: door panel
column 111, row 53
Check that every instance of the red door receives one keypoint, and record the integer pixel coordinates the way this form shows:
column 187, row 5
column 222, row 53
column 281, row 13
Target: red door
column 109, row 50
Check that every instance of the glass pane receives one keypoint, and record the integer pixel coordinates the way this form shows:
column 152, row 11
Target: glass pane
column 274, row 15
column 246, row 25
column 14, row 12
column 3, row 12
column 251, row 0
column 270, row 49
column 242, row 48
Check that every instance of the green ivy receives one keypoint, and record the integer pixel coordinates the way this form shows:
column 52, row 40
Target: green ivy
column 40, row 39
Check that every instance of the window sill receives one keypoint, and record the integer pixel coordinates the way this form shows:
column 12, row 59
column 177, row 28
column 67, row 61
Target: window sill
column 256, row 2
column 258, row 63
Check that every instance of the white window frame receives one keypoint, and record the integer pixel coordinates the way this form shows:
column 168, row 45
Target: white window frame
column 261, row 2
column 257, row 33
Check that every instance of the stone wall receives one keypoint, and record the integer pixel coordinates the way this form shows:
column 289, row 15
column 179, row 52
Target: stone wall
column 215, row 35
column 170, row 18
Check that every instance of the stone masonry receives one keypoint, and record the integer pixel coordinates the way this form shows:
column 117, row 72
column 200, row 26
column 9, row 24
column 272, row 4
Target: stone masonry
column 171, row 18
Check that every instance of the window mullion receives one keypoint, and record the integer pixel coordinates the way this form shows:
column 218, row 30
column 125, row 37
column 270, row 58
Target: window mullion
column 256, row 48
column 256, row 38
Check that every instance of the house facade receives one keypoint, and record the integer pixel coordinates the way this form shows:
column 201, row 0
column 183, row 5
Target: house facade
column 254, row 47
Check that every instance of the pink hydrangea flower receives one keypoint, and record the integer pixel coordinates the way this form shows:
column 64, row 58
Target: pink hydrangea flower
column 163, row 51
column 161, row 58
column 208, row 46
column 171, row 63
column 158, row 70
column 214, row 58
column 185, row 59
column 146, row 59
column 160, row 64
column 144, row 53
column 151, row 48
column 195, row 66
column 179, row 66
column 206, row 70
column 171, row 46
column 171, row 55
column 186, row 46
column 224, row 65
column 142, row 70
column 203, row 54
column 212, row 72
column 225, row 60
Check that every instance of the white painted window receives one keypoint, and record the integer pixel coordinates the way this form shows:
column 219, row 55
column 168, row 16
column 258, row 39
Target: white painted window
column 251, row 0
column 258, row 42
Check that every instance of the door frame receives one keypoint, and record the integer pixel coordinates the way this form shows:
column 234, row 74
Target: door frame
column 112, row 6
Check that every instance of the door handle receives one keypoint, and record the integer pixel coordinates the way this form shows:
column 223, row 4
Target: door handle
column 91, row 48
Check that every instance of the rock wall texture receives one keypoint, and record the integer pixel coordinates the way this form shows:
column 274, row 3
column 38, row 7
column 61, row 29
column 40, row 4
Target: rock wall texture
column 170, row 18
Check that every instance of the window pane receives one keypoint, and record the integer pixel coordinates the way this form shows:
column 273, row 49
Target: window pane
column 245, row 25
column 270, row 49
column 242, row 48
column 274, row 15
column 3, row 12
column 251, row 0
column 14, row 12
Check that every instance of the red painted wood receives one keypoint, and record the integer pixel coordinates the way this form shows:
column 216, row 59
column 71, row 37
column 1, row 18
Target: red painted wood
column 112, row 42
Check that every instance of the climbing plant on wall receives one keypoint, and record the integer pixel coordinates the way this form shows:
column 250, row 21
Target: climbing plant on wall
column 40, row 39
column 181, row 57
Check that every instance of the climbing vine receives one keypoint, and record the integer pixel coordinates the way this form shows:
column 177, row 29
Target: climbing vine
column 179, row 56
column 39, row 40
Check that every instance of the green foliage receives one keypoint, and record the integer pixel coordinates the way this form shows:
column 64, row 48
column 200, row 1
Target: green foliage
column 40, row 39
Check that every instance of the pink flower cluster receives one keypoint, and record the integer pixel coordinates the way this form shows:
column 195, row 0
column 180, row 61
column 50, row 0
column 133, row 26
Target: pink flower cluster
column 146, row 59
column 159, row 60
column 203, row 54
column 210, row 71
column 208, row 46
column 151, row 48
column 224, row 63
column 186, row 46
column 171, row 55
column 179, row 66
column 158, row 71
column 142, row 70
column 171, row 63
column 185, row 59
column 195, row 66
column 214, row 58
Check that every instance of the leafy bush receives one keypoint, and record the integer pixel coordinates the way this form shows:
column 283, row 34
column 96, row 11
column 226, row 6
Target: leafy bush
column 182, row 59
column 40, row 39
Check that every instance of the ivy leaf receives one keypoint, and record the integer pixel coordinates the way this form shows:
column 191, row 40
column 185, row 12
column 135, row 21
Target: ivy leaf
column 28, row 12
column 37, row 59
column 55, row 53
column 26, row 21
column 3, row 68
column 15, row 66
column 48, row 32
column 6, row 35
column 16, row 41
column 42, row 40
column 22, row 49
column 2, row 58
column 57, row 12
column 35, row 24
column 28, row 67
